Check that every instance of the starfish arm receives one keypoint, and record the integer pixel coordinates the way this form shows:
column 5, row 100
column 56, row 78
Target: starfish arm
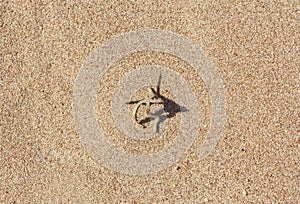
column 156, row 121
column 157, row 127
column 154, row 93
column 133, row 102
column 151, row 92
column 148, row 107
column 136, row 108
column 156, row 101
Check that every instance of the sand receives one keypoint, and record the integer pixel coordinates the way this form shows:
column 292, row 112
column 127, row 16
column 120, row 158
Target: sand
column 253, row 45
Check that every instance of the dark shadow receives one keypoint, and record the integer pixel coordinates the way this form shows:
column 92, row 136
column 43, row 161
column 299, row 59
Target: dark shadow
column 170, row 107
column 146, row 120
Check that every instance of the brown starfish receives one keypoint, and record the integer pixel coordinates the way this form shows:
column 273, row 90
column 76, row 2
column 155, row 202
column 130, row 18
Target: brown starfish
column 148, row 101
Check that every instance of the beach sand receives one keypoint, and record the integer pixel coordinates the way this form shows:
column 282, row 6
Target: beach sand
column 252, row 44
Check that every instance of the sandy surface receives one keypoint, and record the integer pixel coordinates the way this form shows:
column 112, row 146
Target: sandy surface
column 254, row 47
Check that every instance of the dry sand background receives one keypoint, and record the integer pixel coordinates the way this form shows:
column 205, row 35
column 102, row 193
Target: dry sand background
column 253, row 44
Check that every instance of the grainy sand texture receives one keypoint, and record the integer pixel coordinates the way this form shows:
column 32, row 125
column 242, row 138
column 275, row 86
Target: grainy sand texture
column 51, row 149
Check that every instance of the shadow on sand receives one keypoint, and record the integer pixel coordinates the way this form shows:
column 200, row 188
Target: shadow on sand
column 171, row 108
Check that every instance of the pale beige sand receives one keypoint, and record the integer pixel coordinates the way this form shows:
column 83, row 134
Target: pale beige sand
column 254, row 47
